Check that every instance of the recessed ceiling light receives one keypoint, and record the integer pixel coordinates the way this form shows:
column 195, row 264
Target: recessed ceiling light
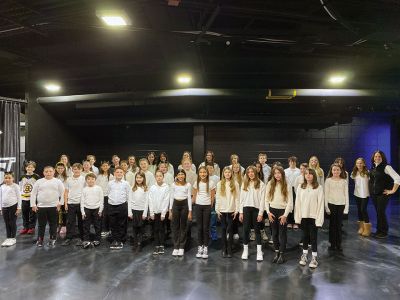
column 337, row 79
column 113, row 17
column 114, row 20
column 52, row 87
column 184, row 79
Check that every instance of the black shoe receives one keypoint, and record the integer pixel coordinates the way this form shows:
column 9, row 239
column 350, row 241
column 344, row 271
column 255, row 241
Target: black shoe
column 67, row 242
column 281, row 259
column 155, row 252
column 96, row 243
column 119, row 246
column 79, row 243
column 276, row 257
column 381, row 235
column 161, row 250
column 85, row 244
column 114, row 245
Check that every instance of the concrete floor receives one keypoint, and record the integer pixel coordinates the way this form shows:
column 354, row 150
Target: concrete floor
column 367, row 269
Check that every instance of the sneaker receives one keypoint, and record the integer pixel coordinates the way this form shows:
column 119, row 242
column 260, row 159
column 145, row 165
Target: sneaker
column 236, row 236
column 271, row 242
column 12, row 242
column 78, row 243
column 289, row 226
column 161, row 250
column 205, row 252
column 104, row 234
column 303, row 259
column 281, row 259
column 5, row 243
column 252, row 235
column 199, row 252
column 301, row 244
column 96, row 243
column 245, row 254
column 175, row 252
column 114, row 245
column 85, row 244
column 264, row 235
column 260, row 256
column 381, row 235
column 31, row 231
column 39, row 242
column 67, row 242
column 155, row 252
column 23, row 231
column 295, row 227
column 181, row 252
column 51, row 243
column 314, row 263
column 119, row 246
column 276, row 257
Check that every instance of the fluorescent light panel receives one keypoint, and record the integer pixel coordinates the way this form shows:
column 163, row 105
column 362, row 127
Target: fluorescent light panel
column 52, row 87
column 114, row 20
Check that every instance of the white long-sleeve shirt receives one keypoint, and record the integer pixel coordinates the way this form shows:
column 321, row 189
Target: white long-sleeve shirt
column 74, row 186
column 278, row 201
column 291, row 176
column 118, row 192
column 92, row 198
column 252, row 197
column 47, row 193
column 299, row 180
column 337, row 193
column 137, row 200
column 361, row 186
column 392, row 173
column 228, row 203
column 9, row 195
column 181, row 192
column 309, row 204
column 158, row 198
column 102, row 181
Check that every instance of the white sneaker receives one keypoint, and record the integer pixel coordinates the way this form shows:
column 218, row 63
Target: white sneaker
column 264, row 235
column 252, row 235
column 181, row 252
column 303, row 259
column 259, row 253
column 205, row 252
column 175, row 252
column 199, row 252
column 314, row 263
column 245, row 254
column 12, row 242
column 236, row 236
column 5, row 243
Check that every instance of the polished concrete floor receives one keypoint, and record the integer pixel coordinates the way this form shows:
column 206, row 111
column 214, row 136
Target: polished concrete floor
column 367, row 269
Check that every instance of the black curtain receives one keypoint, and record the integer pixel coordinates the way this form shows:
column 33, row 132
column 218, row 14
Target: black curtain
column 9, row 138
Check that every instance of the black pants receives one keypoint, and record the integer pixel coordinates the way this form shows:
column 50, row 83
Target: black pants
column 362, row 204
column 159, row 230
column 226, row 226
column 74, row 213
column 62, row 216
column 335, row 224
column 279, row 232
column 310, row 232
column 290, row 219
column 180, row 212
column 47, row 215
column 28, row 215
column 118, row 221
column 203, row 215
column 235, row 226
column 91, row 217
column 105, row 225
column 381, row 203
column 138, row 226
column 250, row 220
column 11, row 220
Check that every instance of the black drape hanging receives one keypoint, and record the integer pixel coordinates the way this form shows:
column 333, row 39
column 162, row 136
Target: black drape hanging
column 9, row 137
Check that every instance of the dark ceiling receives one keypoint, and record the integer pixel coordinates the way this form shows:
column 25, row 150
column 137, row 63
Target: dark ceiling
column 225, row 44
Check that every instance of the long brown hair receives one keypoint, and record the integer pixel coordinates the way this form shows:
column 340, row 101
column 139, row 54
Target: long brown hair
column 237, row 176
column 246, row 180
column 273, row 182
column 231, row 183
column 144, row 185
column 314, row 183
column 342, row 175
column 64, row 173
column 364, row 171
column 207, row 178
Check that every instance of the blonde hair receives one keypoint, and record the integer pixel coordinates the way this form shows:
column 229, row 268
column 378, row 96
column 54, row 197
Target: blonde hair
column 317, row 169
column 237, row 176
column 364, row 171
column 273, row 184
column 246, row 181
column 231, row 183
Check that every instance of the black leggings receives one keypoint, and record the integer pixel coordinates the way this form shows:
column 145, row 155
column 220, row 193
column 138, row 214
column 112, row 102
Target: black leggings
column 180, row 212
column 226, row 222
column 362, row 204
column 203, row 215
column 290, row 219
column 28, row 215
column 105, row 225
column 279, row 232
column 250, row 219
column 137, row 225
column 11, row 220
column 335, row 224
column 381, row 203
column 47, row 215
column 310, row 232
column 159, row 230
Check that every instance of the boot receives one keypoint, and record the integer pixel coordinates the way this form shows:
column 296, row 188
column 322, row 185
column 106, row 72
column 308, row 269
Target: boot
column 367, row 229
column 259, row 253
column 245, row 254
column 360, row 227
column 276, row 257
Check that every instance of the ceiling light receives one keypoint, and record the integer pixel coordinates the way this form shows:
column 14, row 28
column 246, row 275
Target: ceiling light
column 113, row 17
column 338, row 79
column 52, row 87
column 114, row 20
column 184, row 79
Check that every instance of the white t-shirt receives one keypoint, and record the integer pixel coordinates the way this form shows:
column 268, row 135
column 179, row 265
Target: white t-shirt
column 203, row 197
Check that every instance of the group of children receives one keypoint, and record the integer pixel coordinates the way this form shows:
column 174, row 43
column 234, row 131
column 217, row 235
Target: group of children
column 107, row 197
